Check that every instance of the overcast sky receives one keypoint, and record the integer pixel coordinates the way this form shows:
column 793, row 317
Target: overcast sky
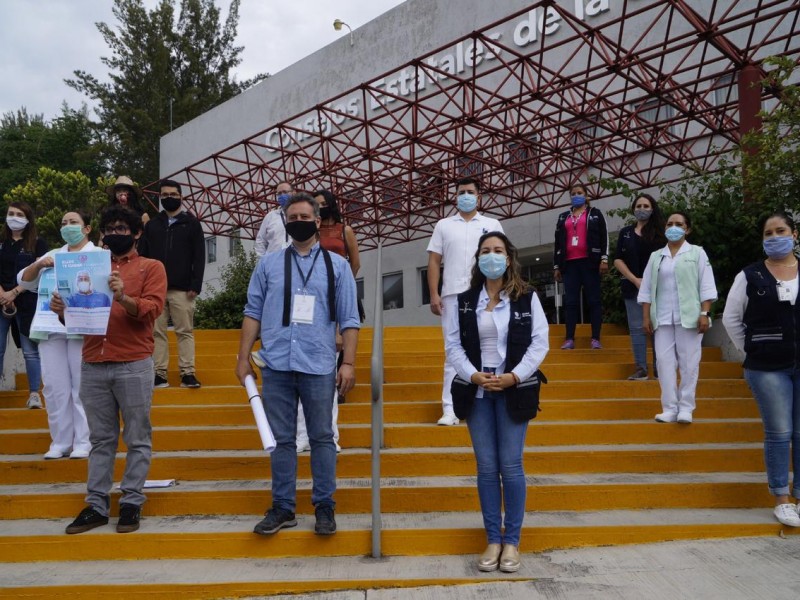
column 43, row 41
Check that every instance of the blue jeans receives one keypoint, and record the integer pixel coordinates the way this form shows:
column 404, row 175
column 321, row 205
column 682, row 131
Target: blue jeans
column 577, row 274
column 778, row 396
column 638, row 336
column 280, row 394
column 30, row 352
column 498, row 443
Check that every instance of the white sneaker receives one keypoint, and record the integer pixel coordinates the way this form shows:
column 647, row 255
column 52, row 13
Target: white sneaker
column 303, row 447
column 79, row 454
column 787, row 515
column 666, row 417
column 684, row 417
column 53, row 454
column 448, row 419
column 34, row 401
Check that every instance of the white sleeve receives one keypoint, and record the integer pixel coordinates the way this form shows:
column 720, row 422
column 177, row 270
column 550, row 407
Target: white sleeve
column 32, row 286
column 452, row 340
column 735, row 305
column 540, row 342
column 437, row 242
column 708, row 287
column 497, row 226
column 261, row 237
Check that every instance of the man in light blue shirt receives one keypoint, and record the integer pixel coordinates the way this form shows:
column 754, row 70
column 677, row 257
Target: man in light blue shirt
column 295, row 300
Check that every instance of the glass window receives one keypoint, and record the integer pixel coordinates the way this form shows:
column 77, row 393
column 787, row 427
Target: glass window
column 726, row 90
column 235, row 242
column 423, row 284
column 392, row 291
column 360, row 288
column 211, row 250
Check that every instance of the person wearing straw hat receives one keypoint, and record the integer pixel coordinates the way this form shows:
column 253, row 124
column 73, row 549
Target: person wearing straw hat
column 127, row 193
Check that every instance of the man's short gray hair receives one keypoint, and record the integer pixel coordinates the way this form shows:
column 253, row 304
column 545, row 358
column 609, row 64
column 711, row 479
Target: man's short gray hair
column 302, row 197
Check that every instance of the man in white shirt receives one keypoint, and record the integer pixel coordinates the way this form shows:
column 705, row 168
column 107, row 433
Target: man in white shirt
column 455, row 239
column 272, row 235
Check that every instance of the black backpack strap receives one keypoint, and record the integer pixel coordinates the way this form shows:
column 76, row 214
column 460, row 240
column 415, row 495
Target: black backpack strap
column 331, row 285
column 287, row 286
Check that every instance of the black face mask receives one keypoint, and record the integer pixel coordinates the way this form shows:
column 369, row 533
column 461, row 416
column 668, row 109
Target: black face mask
column 301, row 230
column 118, row 244
column 171, row 204
column 325, row 212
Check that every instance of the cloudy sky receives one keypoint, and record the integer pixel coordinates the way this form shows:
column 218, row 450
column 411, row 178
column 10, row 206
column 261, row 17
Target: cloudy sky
column 43, row 41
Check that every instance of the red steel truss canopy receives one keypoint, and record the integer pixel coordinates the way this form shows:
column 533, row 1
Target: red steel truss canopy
column 631, row 93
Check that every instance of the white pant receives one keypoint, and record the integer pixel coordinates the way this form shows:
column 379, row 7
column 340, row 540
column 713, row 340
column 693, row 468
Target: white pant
column 61, row 374
column 678, row 348
column 449, row 371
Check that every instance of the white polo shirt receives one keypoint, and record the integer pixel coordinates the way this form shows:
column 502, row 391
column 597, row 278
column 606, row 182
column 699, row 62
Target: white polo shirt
column 457, row 241
column 272, row 235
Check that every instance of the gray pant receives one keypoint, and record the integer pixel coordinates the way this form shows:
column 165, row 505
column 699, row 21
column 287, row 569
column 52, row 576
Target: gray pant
column 108, row 389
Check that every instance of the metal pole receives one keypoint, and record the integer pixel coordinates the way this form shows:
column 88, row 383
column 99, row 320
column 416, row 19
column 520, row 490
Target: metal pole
column 377, row 405
column 170, row 114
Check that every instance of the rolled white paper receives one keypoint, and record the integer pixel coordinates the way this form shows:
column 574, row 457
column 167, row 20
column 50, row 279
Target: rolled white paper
column 264, row 430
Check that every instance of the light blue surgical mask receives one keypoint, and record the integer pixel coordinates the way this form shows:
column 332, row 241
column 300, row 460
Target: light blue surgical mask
column 283, row 199
column 72, row 234
column 466, row 203
column 778, row 246
column 493, row 265
column 578, row 201
column 674, row 233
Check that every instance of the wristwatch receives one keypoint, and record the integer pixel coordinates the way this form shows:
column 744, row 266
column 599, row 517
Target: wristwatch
column 705, row 313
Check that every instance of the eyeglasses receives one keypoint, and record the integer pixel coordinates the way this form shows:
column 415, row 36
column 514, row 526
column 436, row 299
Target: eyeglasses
column 118, row 230
column 171, row 195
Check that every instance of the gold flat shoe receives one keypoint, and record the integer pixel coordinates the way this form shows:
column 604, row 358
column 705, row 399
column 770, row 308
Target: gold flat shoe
column 490, row 558
column 509, row 559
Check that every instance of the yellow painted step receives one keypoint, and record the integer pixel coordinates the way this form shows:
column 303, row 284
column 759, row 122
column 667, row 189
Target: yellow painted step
column 197, row 466
column 432, row 436
column 405, row 499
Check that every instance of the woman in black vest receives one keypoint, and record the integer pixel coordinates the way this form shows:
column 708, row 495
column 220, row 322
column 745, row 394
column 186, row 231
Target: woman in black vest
column 762, row 317
column 19, row 247
column 635, row 244
column 496, row 337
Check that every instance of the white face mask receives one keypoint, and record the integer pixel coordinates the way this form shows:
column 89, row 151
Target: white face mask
column 16, row 223
column 84, row 287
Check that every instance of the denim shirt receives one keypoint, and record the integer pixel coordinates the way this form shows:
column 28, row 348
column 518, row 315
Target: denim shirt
column 304, row 348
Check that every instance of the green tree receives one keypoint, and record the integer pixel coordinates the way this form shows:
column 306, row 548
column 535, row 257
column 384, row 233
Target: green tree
column 163, row 72
column 28, row 142
column 223, row 310
column 52, row 193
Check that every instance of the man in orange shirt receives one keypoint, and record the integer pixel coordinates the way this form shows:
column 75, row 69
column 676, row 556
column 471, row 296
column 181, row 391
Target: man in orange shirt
column 117, row 374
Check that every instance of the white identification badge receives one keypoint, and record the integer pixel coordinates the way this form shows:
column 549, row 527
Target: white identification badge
column 784, row 294
column 303, row 309
column 574, row 240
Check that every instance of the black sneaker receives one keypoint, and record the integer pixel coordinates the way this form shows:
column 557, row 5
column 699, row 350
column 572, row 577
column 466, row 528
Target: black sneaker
column 129, row 515
column 326, row 524
column 160, row 382
column 88, row 519
column 190, row 381
column 276, row 518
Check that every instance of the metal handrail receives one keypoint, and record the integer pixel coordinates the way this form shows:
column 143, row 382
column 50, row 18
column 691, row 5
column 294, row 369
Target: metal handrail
column 376, row 382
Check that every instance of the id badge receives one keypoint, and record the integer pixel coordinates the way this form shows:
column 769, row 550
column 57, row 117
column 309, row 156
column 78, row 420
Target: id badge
column 574, row 240
column 303, row 309
column 784, row 294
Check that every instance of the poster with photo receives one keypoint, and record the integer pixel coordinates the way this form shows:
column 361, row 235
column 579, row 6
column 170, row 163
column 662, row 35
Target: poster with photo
column 45, row 320
column 82, row 281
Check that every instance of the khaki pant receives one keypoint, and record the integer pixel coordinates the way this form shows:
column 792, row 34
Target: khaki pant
column 181, row 309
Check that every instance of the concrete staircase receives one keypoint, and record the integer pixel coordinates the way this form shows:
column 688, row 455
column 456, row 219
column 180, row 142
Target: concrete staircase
column 600, row 472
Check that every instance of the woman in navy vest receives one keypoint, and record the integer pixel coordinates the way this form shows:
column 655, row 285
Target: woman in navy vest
column 635, row 244
column 496, row 337
column 762, row 317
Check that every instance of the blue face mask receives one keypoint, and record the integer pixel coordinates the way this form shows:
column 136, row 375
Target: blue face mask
column 466, row 203
column 674, row 233
column 778, row 246
column 72, row 234
column 578, row 201
column 492, row 265
column 283, row 199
